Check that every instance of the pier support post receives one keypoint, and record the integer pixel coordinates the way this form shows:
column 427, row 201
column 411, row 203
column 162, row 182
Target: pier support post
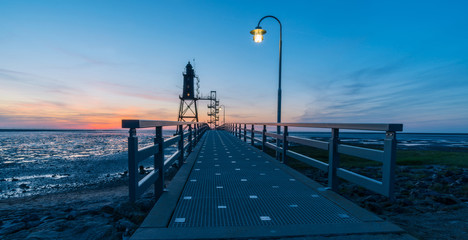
column 388, row 167
column 285, row 144
column 190, row 138
column 132, row 165
column 264, row 138
column 195, row 134
column 252, row 135
column 181, row 146
column 333, row 160
column 235, row 129
column 159, row 163
column 245, row 132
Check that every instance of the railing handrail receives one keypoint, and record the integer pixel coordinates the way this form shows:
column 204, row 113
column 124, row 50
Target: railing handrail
column 393, row 127
column 133, row 123
column 387, row 156
column 161, row 163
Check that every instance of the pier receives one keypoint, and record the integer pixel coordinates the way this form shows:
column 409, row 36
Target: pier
column 226, row 187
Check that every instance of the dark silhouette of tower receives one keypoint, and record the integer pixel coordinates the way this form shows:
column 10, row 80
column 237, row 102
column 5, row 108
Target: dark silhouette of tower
column 188, row 111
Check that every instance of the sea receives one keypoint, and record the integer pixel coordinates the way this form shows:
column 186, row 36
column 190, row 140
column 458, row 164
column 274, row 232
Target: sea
column 36, row 162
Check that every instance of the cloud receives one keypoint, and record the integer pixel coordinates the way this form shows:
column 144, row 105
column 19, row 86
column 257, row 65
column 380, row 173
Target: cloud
column 135, row 91
column 85, row 58
column 391, row 93
column 36, row 82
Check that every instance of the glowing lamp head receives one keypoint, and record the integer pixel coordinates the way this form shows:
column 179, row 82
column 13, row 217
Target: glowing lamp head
column 258, row 33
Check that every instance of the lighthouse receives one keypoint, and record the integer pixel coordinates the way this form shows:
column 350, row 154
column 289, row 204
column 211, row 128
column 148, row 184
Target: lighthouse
column 189, row 77
column 188, row 111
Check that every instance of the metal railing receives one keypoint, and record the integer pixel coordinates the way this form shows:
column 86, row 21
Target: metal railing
column 185, row 141
column 387, row 156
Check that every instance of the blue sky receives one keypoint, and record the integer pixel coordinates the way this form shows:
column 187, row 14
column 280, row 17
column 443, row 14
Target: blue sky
column 88, row 64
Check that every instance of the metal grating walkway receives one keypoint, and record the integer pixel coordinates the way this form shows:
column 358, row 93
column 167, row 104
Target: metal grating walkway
column 233, row 187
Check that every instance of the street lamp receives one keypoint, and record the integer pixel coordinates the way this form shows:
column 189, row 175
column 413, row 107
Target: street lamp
column 258, row 33
column 224, row 113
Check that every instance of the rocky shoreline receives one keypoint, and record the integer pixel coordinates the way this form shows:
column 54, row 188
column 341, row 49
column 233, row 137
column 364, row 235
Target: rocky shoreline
column 431, row 203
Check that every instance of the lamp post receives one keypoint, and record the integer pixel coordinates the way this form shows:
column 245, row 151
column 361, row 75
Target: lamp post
column 258, row 33
column 224, row 113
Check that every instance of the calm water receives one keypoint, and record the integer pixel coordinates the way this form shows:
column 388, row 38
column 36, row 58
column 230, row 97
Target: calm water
column 37, row 162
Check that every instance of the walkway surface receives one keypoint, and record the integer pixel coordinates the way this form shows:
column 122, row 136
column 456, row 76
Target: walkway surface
column 229, row 189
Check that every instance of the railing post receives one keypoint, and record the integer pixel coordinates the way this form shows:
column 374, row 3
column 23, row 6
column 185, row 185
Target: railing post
column 195, row 134
column 132, row 165
column 333, row 160
column 263, row 138
column 245, row 132
column 240, row 131
column 181, row 146
column 159, row 163
column 278, row 144
column 252, row 135
column 285, row 144
column 190, row 138
column 389, row 162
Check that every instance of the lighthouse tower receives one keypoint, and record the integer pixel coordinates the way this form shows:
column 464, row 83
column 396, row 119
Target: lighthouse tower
column 188, row 111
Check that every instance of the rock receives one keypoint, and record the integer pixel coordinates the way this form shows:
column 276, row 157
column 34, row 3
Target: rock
column 107, row 209
column 447, row 199
column 43, row 219
column 138, row 217
column 104, row 232
column 404, row 202
column 44, row 234
column 145, row 204
column 449, row 173
column 72, row 215
column 142, row 170
column 124, row 224
column 23, row 186
column 421, row 184
column 14, row 179
column 33, row 224
column 374, row 207
column 397, row 209
column 12, row 228
column 31, row 217
column 126, row 210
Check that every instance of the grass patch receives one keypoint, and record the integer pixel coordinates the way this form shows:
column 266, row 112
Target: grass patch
column 412, row 157
column 404, row 157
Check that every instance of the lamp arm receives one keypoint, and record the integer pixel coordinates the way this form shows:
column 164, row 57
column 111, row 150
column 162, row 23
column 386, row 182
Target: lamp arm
column 281, row 26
